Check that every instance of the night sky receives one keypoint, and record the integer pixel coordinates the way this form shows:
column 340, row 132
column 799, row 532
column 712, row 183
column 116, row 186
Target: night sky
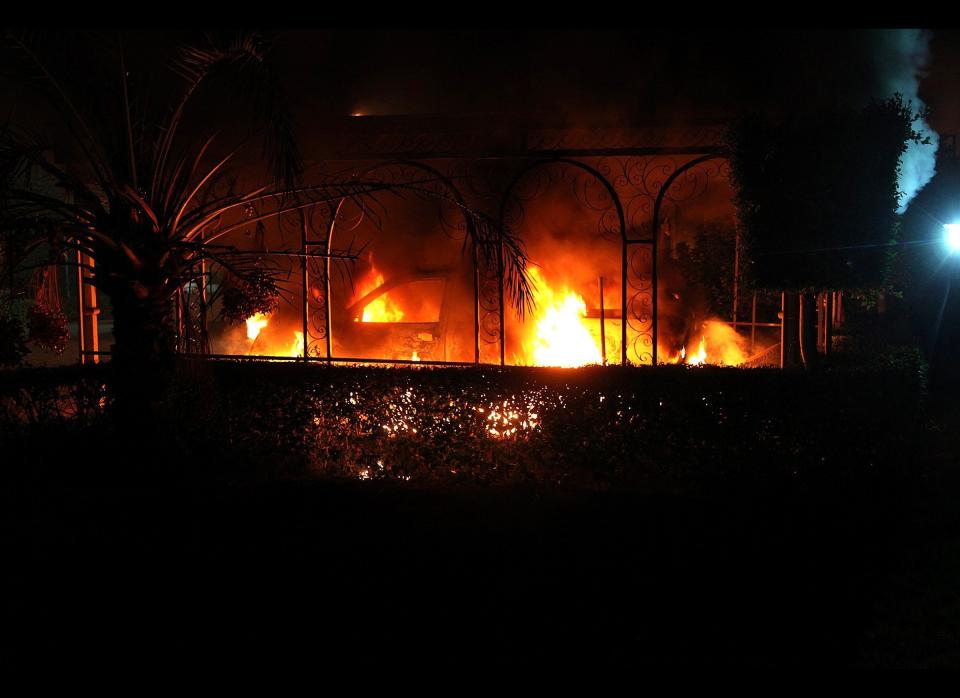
column 561, row 77
column 597, row 76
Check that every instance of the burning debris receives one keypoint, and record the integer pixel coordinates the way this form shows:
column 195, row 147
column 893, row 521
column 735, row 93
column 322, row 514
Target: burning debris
column 719, row 345
column 560, row 335
column 382, row 308
column 418, row 296
column 261, row 338
column 255, row 323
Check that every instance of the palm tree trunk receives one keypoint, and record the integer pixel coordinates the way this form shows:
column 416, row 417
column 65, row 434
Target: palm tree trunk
column 808, row 333
column 143, row 329
column 143, row 358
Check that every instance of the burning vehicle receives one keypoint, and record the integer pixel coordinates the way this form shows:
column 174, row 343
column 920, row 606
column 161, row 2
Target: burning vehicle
column 602, row 232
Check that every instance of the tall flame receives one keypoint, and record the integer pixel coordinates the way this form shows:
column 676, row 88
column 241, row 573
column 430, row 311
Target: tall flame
column 700, row 356
column 296, row 346
column 255, row 323
column 381, row 309
column 561, row 336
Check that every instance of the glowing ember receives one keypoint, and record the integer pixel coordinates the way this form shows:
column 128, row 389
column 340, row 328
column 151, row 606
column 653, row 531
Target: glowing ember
column 719, row 344
column 415, row 356
column 381, row 309
column 561, row 336
column 700, row 356
column 503, row 418
column 255, row 324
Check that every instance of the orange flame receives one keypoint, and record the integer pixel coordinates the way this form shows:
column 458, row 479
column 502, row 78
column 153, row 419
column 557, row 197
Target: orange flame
column 381, row 309
column 255, row 323
column 719, row 344
column 296, row 346
column 561, row 336
column 700, row 357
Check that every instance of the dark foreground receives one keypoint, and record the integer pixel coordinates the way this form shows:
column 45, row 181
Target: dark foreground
column 794, row 524
column 368, row 572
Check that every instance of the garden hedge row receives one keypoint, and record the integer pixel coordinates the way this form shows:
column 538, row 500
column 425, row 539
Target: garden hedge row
column 593, row 427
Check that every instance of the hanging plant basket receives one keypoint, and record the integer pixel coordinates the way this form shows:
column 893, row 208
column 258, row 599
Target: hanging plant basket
column 46, row 323
column 245, row 298
column 47, row 327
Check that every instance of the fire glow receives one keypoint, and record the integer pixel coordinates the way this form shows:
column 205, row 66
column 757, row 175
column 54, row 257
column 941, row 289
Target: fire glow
column 559, row 332
column 719, row 344
column 255, row 326
column 500, row 419
column 382, row 308
column 560, row 335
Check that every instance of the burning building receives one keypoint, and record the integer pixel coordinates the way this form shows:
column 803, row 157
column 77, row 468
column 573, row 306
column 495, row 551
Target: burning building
column 605, row 216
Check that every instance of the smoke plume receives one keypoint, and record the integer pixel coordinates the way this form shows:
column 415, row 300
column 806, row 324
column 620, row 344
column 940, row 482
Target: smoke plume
column 900, row 57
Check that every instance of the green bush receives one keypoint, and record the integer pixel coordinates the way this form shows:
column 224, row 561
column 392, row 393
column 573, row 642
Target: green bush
column 672, row 427
column 13, row 345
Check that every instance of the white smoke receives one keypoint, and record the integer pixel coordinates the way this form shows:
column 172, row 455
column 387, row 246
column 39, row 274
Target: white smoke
column 900, row 59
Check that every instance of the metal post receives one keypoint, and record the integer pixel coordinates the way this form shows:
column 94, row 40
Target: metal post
column 476, row 306
column 80, row 308
column 784, row 352
column 753, row 324
column 326, row 278
column 736, row 274
column 603, row 335
column 623, row 302
column 655, row 290
column 828, row 320
column 304, row 288
column 807, row 333
column 503, row 334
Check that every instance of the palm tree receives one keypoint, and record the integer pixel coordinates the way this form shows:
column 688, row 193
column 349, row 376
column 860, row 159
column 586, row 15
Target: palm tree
column 157, row 184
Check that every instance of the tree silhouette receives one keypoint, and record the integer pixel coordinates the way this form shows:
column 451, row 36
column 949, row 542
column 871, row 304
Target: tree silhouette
column 159, row 166
column 817, row 197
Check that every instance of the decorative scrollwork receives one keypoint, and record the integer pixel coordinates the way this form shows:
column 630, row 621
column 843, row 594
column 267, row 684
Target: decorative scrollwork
column 617, row 175
column 635, row 138
column 587, row 184
column 317, row 307
column 489, row 299
column 318, row 226
column 639, row 315
column 640, row 180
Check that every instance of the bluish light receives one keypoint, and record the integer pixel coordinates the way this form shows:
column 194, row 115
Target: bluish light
column 952, row 236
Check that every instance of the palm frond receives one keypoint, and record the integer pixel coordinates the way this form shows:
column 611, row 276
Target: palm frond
column 241, row 65
column 83, row 135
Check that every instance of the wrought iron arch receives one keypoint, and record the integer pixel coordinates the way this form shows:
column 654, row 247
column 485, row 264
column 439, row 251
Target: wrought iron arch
column 449, row 186
column 621, row 222
column 655, row 227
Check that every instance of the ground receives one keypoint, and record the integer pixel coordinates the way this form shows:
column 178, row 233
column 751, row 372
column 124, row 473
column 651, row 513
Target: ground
column 371, row 572
column 738, row 517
